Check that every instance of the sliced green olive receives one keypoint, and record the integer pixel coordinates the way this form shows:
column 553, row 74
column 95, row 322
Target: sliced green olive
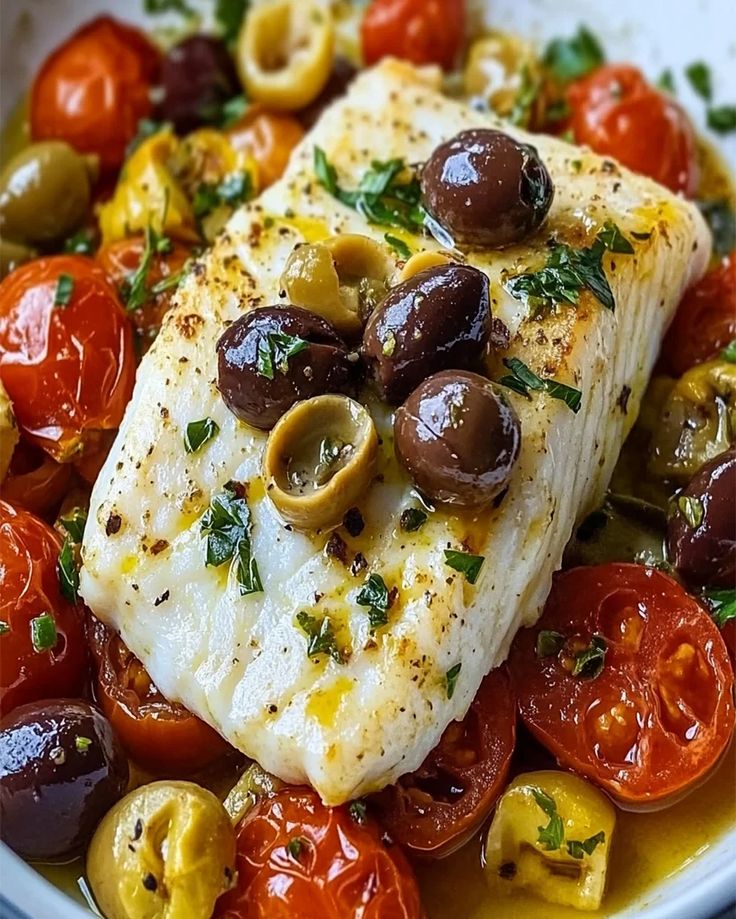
column 340, row 279
column 252, row 785
column 166, row 851
column 421, row 260
column 45, row 192
column 12, row 255
column 319, row 460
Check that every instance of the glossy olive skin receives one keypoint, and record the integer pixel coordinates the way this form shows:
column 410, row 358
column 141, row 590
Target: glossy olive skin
column 197, row 76
column 437, row 319
column 54, row 787
column 487, row 189
column 706, row 555
column 458, row 438
column 323, row 367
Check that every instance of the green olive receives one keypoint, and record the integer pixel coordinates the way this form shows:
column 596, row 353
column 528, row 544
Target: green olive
column 166, row 851
column 12, row 255
column 44, row 192
column 319, row 460
column 252, row 785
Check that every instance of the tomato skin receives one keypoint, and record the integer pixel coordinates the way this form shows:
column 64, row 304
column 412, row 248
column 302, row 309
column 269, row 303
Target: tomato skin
column 29, row 586
column 92, row 90
column 163, row 737
column 617, row 113
column 35, row 481
column 343, row 869
column 657, row 719
column 269, row 138
column 705, row 321
column 423, row 811
column 69, row 370
column 420, row 31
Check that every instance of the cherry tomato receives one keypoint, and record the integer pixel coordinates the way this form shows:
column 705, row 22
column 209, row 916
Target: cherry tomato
column 92, row 90
column 121, row 259
column 705, row 321
column 162, row 736
column 296, row 857
column 626, row 680
column 67, row 358
column 436, row 809
column 617, row 113
column 38, row 660
column 35, row 481
column 269, row 139
column 420, row 31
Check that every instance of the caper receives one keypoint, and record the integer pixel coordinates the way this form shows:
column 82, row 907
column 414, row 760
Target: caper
column 166, row 850
column 319, row 460
column 44, row 192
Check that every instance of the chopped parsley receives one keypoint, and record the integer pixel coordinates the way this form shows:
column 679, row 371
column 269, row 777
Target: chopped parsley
column 722, row 119
column 666, row 82
column 412, row 518
column 374, row 595
column 4, row 627
column 729, row 352
column 232, row 111
column 451, row 679
column 721, row 219
column 614, row 240
column 578, row 848
column 67, row 570
column 295, row 846
column 136, row 291
column 466, row 564
column 64, row 290
column 321, row 637
column 81, row 243
column 384, row 196
column 227, row 525
column 82, row 743
column 198, row 433
column 235, row 189
column 398, row 245
column 552, row 835
column 75, row 523
column 722, row 603
column 358, row 811
column 549, row 643
column 275, row 349
column 43, row 633
column 570, row 58
column 527, row 95
column 588, row 663
column 691, row 509
column 154, row 7
column 523, row 380
column 698, row 75
column 229, row 15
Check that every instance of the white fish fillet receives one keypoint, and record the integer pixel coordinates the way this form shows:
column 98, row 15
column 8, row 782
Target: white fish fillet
column 239, row 662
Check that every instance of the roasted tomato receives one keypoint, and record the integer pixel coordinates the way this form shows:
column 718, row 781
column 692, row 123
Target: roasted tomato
column 296, row 857
column 162, row 736
column 626, row 680
column 705, row 321
column 67, row 357
column 42, row 647
column 92, row 90
column 437, row 808
column 617, row 113
column 269, row 138
column 121, row 260
column 35, row 481
column 420, row 31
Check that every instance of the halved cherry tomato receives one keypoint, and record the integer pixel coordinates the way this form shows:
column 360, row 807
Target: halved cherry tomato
column 705, row 321
column 296, row 857
column 652, row 723
column 92, row 90
column 121, row 260
column 617, row 113
column 35, row 481
column 269, row 138
column 55, row 664
column 420, row 31
column 163, row 737
column 67, row 358
column 436, row 809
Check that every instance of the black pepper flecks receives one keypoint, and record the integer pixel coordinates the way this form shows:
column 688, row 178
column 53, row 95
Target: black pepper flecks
column 353, row 522
column 114, row 522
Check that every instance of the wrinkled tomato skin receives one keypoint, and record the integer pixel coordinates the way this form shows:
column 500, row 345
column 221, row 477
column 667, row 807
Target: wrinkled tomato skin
column 164, row 737
column 660, row 715
column 343, row 869
column 617, row 113
column 34, row 481
column 68, row 369
column 29, row 586
column 92, row 90
column 423, row 811
column 705, row 321
column 420, row 31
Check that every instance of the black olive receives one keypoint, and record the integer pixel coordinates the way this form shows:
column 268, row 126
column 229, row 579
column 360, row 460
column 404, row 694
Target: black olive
column 701, row 533
column 486, row 188
column 61, row 769
column 439, row 318
column 275, row 356
column 458, row 438
column 197, row 76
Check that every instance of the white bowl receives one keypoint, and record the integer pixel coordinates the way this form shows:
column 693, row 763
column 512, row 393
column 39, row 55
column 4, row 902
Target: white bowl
column 655, row 34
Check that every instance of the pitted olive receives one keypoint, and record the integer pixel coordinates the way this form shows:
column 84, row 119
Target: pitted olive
column 166, row 851
column 274, row 356
column 341, row 279
column 44, row 192
column 421, row 261
column 438, row 319
column 486, row 188
column 458, row 438
column 320, row 460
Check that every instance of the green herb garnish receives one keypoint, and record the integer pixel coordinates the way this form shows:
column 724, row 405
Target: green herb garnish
column 64, row 290
column 155, row 7
column 232, row 111
column 75, row 523
column 523, row 380
column 43, row 633
column 374, row 595
column 527, row 95
column 412, row 518
column 549, row 643
column 295, row 846
column 275, row 350
column 451, row 679
column 398, row 245
column 570, row 58
column 198, row 433
column 729, row 352
column 232, row 191
column 590, row 661
column 81, row 243
column 321, row 637
column 614, row 240
column 666, row 81
column 358, row 811
column 691, row 509
column 721, row 219
column 4, row 627
column 227, row 525
column 722, row 603
column 698, row 74
column 136, row 291
column 722, row 119
column 229, row 15
column 82, row 743
column 67, row 571
column 578, row 848
column 466, row 564
column 551, row 836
